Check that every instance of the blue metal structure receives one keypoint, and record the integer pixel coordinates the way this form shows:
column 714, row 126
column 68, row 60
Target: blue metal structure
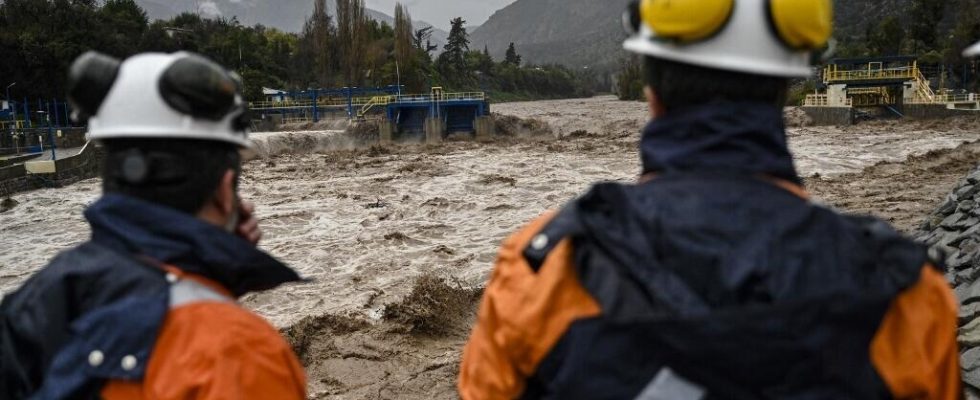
column 458, row 111
column 21, row 115
column 21, row 122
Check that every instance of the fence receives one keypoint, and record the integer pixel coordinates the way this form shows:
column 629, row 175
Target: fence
column 822, row 100
column 36, row 140
column 27, row 114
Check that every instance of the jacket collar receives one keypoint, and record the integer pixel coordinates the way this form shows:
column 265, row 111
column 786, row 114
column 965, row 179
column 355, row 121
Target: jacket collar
column 744, row 138
column 141, row 228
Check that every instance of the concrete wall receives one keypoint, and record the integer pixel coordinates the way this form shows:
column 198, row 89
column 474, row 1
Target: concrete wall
column 830, row 115
column 837, row 95
column 485, row 128
column 435, row 129
column 16, row 160
column 85, row 165
column 386, row 131
column 932, row 111
column 13, row 179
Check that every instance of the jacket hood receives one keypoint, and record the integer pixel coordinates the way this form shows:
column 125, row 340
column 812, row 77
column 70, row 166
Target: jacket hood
column 169, row 236
column 748, row 138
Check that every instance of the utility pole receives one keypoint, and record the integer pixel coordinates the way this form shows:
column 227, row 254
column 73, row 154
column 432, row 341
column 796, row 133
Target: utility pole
column 398, row 72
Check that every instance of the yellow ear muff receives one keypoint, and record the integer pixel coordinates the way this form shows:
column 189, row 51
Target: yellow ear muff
column 803, row 24
column 686, row 20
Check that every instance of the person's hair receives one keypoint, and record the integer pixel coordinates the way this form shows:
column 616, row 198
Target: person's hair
column 178, row 173
column 681, row 86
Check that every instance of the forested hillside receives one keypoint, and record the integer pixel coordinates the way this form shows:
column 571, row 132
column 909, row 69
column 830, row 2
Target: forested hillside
column 339, row 45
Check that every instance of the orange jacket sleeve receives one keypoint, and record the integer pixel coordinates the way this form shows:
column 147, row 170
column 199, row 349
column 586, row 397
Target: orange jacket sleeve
column 521, row 318
column 915, row 349
column 216, row 351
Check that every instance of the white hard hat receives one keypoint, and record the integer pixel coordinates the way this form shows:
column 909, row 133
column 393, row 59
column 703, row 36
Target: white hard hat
column 764, row 37
column 154, row 95
column 972, row 51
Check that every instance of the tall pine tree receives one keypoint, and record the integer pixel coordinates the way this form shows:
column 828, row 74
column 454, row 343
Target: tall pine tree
column 453, row 58
column 512, row 57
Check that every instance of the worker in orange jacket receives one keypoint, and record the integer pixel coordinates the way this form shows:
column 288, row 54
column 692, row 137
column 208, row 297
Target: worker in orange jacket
column 715, row 276
column 147, row 309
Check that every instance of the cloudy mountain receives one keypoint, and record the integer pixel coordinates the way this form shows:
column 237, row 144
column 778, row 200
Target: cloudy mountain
column 589, row 33
column 573, row 32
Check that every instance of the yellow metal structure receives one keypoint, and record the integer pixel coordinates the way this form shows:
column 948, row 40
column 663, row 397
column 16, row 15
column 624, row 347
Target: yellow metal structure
column 904, row 83
column 375, row 101
column 873, row 72
column 872, row 96
column 7, row 125
column 821, row 100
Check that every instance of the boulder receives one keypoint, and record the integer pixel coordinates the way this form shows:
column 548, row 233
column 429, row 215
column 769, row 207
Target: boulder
column 952, row 222
column 948, row 207
column 970, row 334
column 960, row 260
column 967, row 192
column 967, row 206
column 974, row 177
column 968, row 293
column 970, row 362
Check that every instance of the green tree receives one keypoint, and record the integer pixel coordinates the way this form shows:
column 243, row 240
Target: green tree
column 925, row 24
column 351, row 40
column 512, row 57
column 479, row 61
column 629, row 80
column 317, row 51
column 453, row 58
column 128, row 22
column 405, row 51
column 423, row 40
column 886, row 38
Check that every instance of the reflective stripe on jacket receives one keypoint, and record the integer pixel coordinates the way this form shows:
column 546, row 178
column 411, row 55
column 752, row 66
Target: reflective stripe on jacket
column 211, row 348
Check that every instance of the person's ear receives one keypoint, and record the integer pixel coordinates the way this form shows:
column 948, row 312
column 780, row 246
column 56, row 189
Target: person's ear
column 225, row 197
column 653, row 102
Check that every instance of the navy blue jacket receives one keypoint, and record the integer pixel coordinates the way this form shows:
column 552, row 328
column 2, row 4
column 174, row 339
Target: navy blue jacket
column 706, row 281
column 730, row 281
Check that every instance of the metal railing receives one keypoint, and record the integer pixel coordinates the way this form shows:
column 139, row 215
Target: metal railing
column 831, row 74
column 871, row 90
column 957, row 98
column 822, row 100
column 7, row 125
column 369, row 101
column 322, row 102
column 375, row 101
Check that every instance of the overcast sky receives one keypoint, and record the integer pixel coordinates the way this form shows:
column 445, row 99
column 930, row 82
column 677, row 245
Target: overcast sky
column 439, row 12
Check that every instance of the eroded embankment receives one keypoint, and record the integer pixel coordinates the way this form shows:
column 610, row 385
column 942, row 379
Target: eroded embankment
column 412, row 353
